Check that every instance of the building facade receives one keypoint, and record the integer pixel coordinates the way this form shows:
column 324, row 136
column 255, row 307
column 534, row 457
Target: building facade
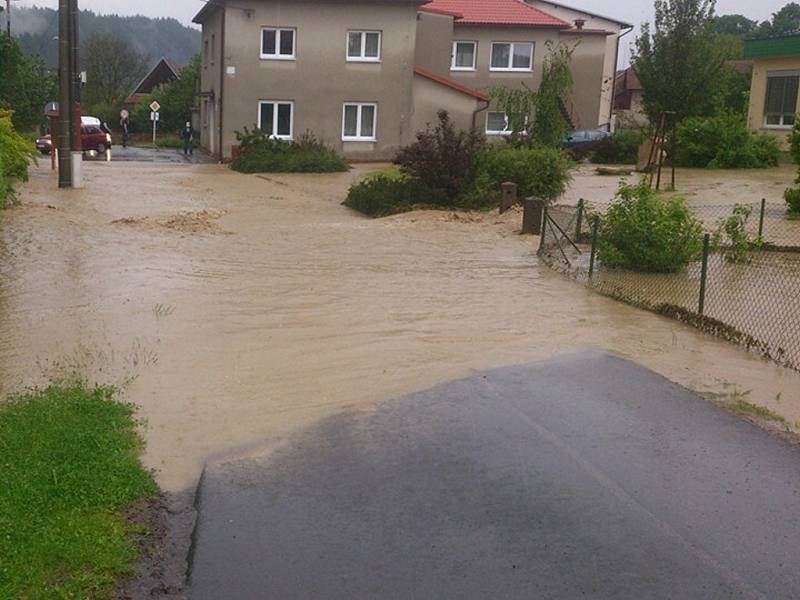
column 774, row 99
column 365, row 76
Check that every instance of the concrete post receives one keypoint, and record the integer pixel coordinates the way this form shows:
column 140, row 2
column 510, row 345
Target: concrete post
column 532, row 216
column 508, row 197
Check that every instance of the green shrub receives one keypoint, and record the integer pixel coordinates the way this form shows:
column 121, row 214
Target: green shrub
column 383, row 194
column 262, row 154
column 443, row 159
column 643, row 232
column 734, row 239
column 16, row 152
column 792, row 197
column 621, row 149
column 541, row 171
column 724, row 142
column 794, row 142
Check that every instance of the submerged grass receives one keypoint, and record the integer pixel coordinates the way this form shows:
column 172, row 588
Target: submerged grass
column 69, row 467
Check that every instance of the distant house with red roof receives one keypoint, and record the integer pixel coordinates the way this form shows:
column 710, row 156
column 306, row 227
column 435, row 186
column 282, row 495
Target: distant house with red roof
column 628, row 105
column 366, row 76
column 165, row 71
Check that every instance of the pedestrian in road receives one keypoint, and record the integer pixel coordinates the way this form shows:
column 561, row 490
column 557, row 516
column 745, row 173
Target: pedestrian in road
column 188, row 134
column 124, row 123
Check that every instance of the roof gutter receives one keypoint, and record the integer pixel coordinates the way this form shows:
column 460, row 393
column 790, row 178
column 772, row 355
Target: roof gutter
column 614, row 79
column 480, row 109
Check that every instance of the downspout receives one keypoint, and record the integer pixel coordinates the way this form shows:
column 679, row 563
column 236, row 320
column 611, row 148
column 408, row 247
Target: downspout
column 478, row 110
column 614, row 85
column 222, row 84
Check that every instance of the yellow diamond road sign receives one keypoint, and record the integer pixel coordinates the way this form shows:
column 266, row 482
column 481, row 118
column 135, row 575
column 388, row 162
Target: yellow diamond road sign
column 155, row 106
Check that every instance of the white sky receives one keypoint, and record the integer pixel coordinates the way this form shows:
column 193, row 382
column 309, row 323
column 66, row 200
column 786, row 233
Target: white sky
column 632, row 11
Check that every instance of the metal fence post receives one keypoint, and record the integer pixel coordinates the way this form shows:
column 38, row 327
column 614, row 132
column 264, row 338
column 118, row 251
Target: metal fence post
column 704, row 274
column 761, row 218
column 595, row 227
column 544, row 228
column 579, row 221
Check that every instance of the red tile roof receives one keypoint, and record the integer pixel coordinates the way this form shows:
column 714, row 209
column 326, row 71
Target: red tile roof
column 497, row 12
column 422, row 72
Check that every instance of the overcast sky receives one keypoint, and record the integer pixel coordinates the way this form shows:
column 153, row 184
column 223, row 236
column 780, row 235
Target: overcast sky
column 632, row 11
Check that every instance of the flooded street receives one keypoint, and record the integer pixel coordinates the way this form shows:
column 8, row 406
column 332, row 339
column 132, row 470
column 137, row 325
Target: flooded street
column 236, row 309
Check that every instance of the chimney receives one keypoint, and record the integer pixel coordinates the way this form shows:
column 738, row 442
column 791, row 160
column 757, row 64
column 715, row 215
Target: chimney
column 579, row 23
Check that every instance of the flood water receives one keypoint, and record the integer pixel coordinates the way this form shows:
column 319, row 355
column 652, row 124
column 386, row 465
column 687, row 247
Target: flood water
column 236, row 309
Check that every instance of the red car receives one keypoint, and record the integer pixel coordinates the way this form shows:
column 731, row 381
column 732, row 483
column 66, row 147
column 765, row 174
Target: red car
column 95, row 139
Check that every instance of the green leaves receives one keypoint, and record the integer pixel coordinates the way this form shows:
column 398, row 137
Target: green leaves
column 643, row 232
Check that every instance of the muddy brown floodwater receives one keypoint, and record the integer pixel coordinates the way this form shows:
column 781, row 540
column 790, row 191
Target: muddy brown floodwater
column 236, row 309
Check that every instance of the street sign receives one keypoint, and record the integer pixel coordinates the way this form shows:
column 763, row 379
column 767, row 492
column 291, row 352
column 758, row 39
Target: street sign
column 155, row 106
column 154, row 116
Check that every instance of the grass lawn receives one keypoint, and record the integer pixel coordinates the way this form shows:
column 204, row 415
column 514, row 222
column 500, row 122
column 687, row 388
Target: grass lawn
column 69, row 470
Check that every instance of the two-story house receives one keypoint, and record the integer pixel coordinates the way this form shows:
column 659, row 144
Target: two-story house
column 366, row 75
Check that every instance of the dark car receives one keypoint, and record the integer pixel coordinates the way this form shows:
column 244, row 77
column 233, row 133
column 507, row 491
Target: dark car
column 581, row 137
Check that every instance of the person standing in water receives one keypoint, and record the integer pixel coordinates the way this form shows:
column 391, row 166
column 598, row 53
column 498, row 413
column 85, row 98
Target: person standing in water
column 188, row 134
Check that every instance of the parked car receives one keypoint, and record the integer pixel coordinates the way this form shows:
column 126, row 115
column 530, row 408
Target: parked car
column 95, row 139
column 580, row 137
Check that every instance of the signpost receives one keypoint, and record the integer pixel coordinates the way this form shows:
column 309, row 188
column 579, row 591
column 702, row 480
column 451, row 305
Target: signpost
column 154, row 117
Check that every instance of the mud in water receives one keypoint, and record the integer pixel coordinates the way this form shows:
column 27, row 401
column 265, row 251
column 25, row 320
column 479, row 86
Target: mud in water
column 305, row 309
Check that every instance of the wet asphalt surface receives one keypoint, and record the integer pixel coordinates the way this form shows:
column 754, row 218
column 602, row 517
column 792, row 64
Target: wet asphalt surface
column 158, row 155
column 584, row 476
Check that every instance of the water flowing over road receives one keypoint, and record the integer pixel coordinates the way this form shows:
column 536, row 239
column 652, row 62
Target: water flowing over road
column 238, row 308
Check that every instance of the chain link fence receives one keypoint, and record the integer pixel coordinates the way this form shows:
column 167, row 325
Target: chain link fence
column 750, row 297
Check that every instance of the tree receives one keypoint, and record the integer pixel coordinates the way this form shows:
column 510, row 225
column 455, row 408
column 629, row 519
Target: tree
column 681, row 62
column 177, row 98
column 113, row 68
column 25, row 85
column 786, row 20
column 734, row 25
column 538, row 117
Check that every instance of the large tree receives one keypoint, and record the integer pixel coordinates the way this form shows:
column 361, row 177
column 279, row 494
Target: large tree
column 681, row 61
column 734, row 25
column 113, row 67
column 26, row 85
column 786, row 20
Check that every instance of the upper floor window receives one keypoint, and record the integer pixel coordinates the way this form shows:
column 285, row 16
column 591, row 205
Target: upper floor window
column 205, row 53
column 276, row 118
column 781, row 102
column 359, row 122
column 464, row 54
column 278, row 44
column 363, row 46
column 512, row 56
column 213, row 47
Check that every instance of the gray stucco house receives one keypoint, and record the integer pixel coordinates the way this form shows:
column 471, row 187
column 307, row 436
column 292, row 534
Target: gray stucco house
column 366, row 75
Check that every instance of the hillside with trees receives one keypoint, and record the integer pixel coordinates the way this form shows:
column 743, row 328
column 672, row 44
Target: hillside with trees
column 35, row 29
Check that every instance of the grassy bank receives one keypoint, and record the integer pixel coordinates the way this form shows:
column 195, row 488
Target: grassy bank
column 69, row 467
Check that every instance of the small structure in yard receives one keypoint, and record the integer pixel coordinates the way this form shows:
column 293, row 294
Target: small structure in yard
column 774, row 88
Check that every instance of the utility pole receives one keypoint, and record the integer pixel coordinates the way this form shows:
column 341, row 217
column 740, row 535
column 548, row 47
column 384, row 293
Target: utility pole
column 8, row 17
column 64, row 95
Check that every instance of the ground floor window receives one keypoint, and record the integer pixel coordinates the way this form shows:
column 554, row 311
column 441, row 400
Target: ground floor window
column 359, row 122
column 276, row 118
column 497, row 123
column 781, row 102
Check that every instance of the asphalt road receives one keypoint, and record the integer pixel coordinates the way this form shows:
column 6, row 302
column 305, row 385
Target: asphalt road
column 585, row 476
column 158, row 155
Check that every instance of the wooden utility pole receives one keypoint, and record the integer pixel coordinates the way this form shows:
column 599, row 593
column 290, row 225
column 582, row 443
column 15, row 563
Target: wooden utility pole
column 8, row 17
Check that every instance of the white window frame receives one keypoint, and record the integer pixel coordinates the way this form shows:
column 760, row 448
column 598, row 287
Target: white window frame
column 453, row 66
column 358, row 137
column 276, row 136
column 511, row 68
column 363, row 57
column 781, row 125
column 506, row 131
column 278, row 33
